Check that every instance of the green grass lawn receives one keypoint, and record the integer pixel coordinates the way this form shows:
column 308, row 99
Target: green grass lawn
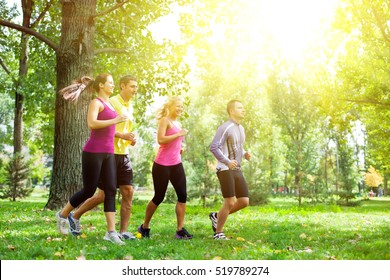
column 277, row 231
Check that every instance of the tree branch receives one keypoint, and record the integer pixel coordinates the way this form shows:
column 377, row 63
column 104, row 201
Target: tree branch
column 109, row 50
column 369, row 102
column 112, row 9
column 381, row 24
column 42, row 14
column 4, row 67
column 7, row 70
column 37, row 35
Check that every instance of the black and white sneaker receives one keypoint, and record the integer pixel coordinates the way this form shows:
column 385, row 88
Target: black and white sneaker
column 74, row 225
column 214, row 220
column 220, row 236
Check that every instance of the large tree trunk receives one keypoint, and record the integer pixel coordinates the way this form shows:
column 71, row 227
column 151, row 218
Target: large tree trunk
column 74, row 59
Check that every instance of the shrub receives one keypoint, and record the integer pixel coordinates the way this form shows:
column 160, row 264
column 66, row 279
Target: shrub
column 17, row 184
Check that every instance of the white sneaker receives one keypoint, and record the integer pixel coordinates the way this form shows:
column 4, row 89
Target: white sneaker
column 113, row 237
column 126, row 236
column 62, row 224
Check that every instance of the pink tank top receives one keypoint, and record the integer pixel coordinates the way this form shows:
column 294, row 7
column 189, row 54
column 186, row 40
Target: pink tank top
column 169, row 154
column 102, row 140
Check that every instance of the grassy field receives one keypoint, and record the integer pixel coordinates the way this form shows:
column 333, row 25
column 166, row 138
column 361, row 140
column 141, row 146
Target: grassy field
column 277, row 231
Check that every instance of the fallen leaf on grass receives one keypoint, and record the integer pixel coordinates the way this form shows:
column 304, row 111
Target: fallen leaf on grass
column 306, row 250
column 128, row 258
column 357, row 238
column 91, row 227
column 240, row 239
column 217, row 258
column 81, row 258
column 303, row 236
column 50, row 239
column 83, row 235
column 59, row 254
column 368, row 222
column 11, row 247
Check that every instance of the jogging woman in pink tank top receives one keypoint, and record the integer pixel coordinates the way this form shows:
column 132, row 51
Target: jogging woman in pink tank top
column 98, row 161
column 167, row 167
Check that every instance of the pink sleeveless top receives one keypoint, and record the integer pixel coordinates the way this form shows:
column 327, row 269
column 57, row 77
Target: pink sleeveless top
column 169, row 154
column 102, row 140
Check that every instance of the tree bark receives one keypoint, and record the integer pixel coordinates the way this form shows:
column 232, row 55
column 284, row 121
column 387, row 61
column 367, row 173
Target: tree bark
column 74, row 60
column 23, row 70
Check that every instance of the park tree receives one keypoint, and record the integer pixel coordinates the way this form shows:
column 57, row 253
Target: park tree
column 73, row 46
column 20, row 51
column 362, row 71
column 293, row 103
column 372, row 178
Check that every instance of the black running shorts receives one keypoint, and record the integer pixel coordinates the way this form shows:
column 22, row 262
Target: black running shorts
column 232, row 183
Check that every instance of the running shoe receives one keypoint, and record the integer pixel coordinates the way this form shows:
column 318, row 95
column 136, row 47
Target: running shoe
column 62, row 224
column 126, row 236
column 214, row 220
column 183, row 234
column 145, row 232
column 220, row 236
column 74, row 225
column 113, row 237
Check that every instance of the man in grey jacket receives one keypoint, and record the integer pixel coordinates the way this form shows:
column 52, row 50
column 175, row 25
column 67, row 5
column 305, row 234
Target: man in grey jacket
column 228, row 148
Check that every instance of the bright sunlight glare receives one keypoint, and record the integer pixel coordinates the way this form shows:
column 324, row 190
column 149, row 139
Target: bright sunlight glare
column 294, row 24
column 289, row 25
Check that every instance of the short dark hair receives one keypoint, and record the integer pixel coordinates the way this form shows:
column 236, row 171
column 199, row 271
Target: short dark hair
column 231, row 105
column 126, row 79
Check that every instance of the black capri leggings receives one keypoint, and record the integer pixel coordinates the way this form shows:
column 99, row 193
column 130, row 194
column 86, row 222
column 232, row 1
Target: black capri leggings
column 161, row 177
column 95, row 166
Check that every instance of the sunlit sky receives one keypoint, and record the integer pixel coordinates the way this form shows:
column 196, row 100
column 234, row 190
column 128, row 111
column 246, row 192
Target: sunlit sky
column 296, row 23
column 291, row 24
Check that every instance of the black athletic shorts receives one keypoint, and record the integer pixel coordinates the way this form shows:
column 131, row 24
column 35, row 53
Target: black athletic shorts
column 124, row 171
column 232, row 183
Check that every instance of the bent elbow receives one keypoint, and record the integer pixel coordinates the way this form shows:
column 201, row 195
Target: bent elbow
column 91, row 126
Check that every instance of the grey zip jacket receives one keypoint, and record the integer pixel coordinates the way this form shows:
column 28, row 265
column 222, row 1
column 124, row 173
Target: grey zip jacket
column 228, row 144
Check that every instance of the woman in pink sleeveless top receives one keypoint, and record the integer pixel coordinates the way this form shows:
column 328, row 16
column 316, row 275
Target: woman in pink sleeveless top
column 167, row 166
column 98, row 161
